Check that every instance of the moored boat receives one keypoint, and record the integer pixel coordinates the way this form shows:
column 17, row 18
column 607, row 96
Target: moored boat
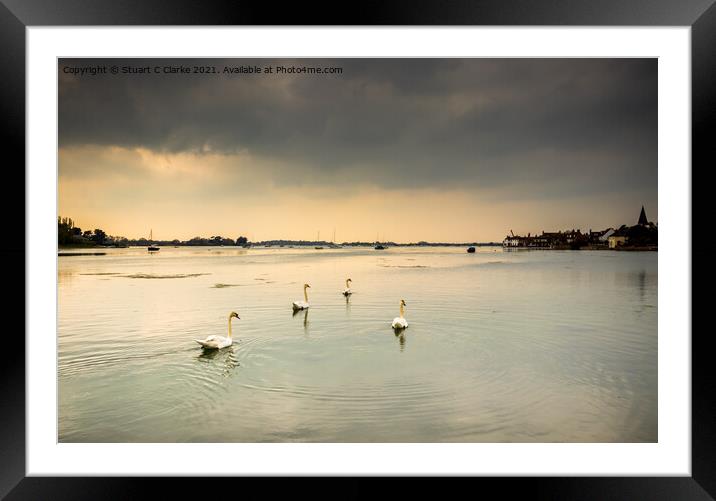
column 151, row 247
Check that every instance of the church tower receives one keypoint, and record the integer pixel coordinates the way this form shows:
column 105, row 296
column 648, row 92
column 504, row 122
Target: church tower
column 642, row 217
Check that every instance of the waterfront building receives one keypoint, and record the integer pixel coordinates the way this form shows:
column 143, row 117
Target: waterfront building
column 617, row 240
column 643, row 235
column 607, row 233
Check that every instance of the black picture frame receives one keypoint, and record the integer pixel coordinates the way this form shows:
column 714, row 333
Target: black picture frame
column 700, row 15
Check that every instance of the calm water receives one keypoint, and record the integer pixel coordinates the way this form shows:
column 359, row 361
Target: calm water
column 538, row 346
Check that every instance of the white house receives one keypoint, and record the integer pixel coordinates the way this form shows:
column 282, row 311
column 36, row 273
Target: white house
column 607, row 234
column 615, row 241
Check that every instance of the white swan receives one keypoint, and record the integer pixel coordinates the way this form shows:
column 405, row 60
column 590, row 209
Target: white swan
column 218, row 342
column 348, row 290
column 302, row 305
column 399, row 323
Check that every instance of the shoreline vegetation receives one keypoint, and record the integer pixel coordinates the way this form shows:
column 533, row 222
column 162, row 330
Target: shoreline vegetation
column 641, row 237
column 70, row 236
column 207, row 242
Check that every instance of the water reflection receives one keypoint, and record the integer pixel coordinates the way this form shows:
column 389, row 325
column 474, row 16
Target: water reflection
column 227, row 356
column 64, row 276
column 305, row 316
column 641, row 281
column 641, row 284
column 561, row 355
column 401, row 339
column 208, row 354
column 348, row 306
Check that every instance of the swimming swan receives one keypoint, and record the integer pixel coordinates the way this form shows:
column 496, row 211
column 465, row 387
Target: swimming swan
column 218, row 342
column 348, row 290
column 302, row 305
column 400, row 323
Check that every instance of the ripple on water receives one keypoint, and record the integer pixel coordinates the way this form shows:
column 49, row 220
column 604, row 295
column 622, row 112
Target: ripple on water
column 165, row 276
column 492, row 353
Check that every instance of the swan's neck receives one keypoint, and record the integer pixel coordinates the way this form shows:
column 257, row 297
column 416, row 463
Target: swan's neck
column 347, row 285
column 305, row 293
column 229, row 327
column 402, row 311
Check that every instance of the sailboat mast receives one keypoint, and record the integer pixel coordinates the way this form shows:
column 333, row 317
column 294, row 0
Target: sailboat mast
column 151, row 247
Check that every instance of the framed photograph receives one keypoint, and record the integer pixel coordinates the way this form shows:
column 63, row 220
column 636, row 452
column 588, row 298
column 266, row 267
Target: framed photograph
column 422, row 244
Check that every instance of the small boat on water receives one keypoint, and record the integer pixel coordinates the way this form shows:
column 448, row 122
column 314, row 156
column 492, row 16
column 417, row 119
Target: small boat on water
column 378, row 246
column 151, row 247
column 471, row 250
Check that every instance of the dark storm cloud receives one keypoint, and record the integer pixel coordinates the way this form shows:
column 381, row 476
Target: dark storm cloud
column 583, row 125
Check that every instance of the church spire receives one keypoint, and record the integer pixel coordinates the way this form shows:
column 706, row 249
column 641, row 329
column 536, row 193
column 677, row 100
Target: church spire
column 642, row 217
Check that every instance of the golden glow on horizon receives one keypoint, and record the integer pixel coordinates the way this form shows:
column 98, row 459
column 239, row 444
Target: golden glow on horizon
column 182, row 195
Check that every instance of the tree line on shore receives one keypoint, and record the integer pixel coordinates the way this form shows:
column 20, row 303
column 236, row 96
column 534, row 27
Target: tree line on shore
column 70, row 235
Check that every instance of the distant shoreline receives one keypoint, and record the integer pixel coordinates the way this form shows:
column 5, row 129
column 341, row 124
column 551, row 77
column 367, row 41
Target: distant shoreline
column 286, row 243
column 94, row 250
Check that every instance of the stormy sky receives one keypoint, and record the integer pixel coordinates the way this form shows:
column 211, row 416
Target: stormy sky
column 408, row 149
